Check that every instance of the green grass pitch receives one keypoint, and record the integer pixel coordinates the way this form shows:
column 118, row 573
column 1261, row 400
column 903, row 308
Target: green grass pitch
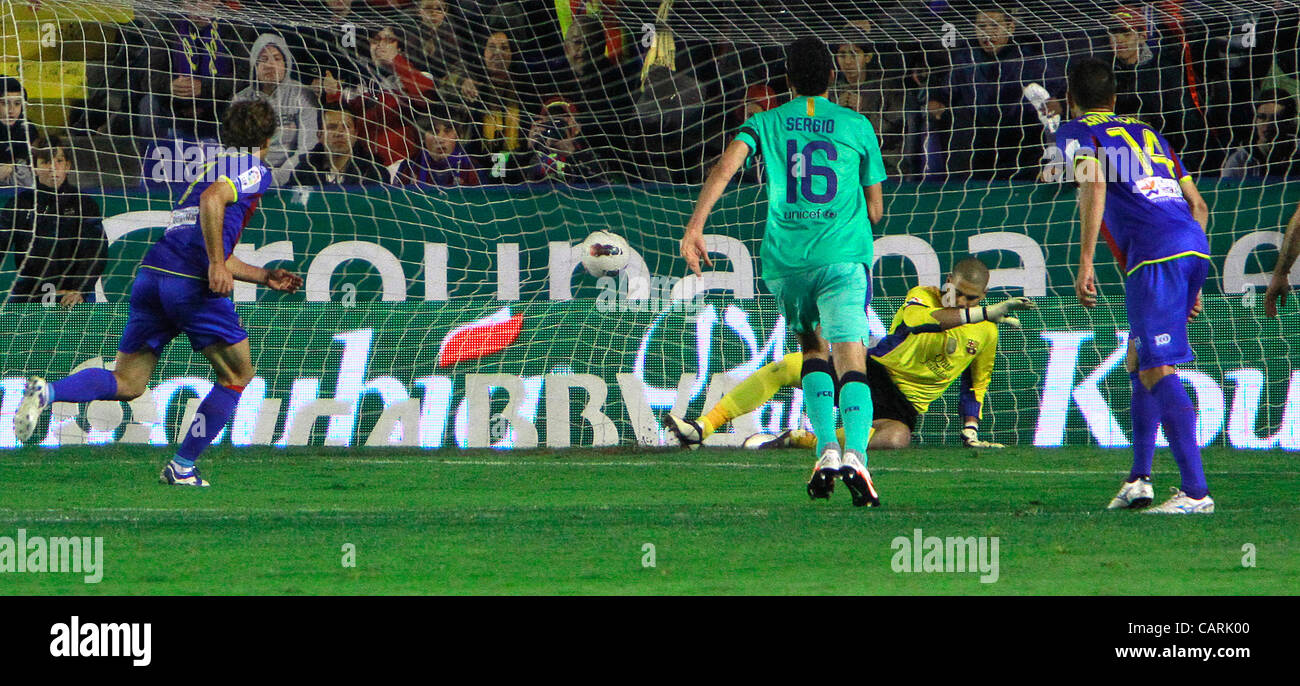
column 577, row 521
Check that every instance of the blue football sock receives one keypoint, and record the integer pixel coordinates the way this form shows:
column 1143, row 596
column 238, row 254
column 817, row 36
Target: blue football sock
column 211, row 417
column 184, row 462
column 856, row 410
column 1179, row 418
column 1146, row 421
column 85, row 386
column 819, row 400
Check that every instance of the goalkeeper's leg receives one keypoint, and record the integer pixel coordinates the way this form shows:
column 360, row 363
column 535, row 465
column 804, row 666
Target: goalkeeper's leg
column 885, row 434
column 751, row 393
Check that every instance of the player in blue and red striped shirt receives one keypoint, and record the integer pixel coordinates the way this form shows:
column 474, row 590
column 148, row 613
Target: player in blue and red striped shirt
column 1134, row 191
column 182, row 286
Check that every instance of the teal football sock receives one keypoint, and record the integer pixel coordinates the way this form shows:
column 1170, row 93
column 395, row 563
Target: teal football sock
column 855, row 408
column 819, row 400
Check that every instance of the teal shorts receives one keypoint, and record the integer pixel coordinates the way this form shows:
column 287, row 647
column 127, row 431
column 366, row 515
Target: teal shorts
column 834, row 296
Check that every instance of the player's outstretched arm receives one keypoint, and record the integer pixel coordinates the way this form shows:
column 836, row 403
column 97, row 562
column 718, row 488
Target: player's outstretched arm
column 275, row 279
column 1092, row 205
column 1280, row 286
column 212, row 215
column 950, row 317
column 693, row 249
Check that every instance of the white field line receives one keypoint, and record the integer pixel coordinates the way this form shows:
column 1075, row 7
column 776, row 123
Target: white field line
column 686, row 463
column 191, row 515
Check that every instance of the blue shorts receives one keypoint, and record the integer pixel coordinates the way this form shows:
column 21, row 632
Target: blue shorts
column 163, row 306
column 1158, row 297
column 834, row 296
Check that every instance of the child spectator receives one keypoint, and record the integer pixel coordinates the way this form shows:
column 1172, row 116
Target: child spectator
column 339, row 159
column 271, row 71
column 1272, row 150
column 16, row 135
column 442, row 161
column 55, row 234
column 864, row 86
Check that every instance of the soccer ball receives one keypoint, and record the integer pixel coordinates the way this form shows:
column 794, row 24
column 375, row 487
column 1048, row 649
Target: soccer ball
column 757, row 440
column 604, row 253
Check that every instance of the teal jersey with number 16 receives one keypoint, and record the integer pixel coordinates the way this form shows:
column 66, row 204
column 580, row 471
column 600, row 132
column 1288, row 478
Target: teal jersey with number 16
column 818, row 157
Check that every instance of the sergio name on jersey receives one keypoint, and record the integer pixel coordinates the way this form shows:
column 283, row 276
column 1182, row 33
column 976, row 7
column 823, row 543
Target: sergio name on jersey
column 1146, row 218
column 923, row 359
column 181, row 251
column 818, row 157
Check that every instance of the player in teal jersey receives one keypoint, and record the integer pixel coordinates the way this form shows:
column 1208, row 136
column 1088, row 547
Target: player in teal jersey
column 824, row 171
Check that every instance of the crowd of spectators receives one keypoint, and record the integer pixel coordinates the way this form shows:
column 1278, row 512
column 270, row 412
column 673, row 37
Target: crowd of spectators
column 440, row 93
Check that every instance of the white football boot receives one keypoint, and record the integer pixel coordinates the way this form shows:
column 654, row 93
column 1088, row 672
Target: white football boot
column 822, row 482
column 1133, row 495
column 36, row 397
column 1180, row 503
column 858, row 480
column 688, row 433
column 176, row 475
column 766, row 441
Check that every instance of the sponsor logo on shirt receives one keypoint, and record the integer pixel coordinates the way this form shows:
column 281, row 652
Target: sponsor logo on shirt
column 183, row 217
column 250, row 179
column 1158, row 188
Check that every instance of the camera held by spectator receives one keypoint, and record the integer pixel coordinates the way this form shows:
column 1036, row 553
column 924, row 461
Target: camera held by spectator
column 560, row 153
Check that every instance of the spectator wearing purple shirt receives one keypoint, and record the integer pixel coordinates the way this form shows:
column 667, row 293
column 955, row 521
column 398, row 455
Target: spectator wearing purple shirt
column 187, row 94
column 441, row 159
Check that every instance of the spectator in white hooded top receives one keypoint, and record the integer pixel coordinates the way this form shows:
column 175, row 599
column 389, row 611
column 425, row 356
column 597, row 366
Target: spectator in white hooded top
column 271, row 71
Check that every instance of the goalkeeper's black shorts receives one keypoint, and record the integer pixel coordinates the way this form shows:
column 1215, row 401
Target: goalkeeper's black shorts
column 887, row 401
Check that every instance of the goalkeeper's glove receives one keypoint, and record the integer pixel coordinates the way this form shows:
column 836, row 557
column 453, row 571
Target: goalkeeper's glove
column 998, row 312
column 970, row 435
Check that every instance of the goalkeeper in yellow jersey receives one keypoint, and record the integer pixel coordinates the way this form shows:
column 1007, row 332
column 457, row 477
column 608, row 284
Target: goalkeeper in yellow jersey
column 936, row 337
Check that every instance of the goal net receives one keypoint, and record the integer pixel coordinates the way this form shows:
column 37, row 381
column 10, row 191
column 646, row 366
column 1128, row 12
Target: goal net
column 438, row 162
